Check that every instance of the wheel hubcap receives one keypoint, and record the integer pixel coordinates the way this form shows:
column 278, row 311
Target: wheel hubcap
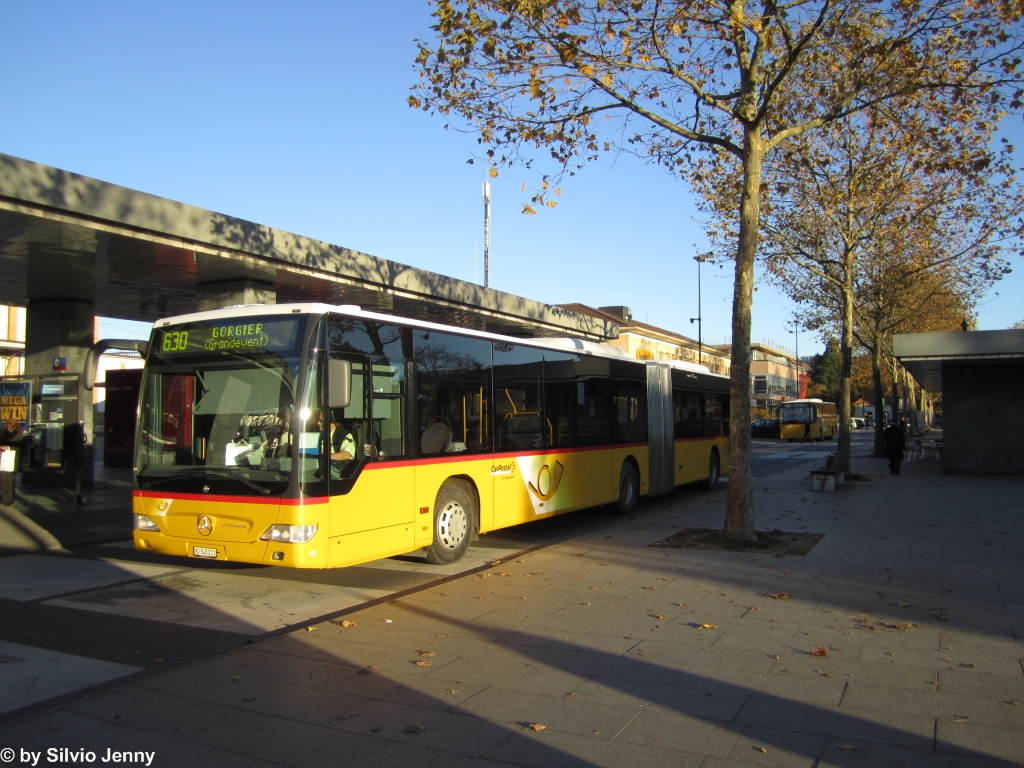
column 452, row 524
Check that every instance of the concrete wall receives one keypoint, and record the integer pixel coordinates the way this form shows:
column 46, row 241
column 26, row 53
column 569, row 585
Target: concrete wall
column 983, row 419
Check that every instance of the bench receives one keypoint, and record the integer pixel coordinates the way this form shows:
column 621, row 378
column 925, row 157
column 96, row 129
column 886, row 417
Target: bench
column 827, row 478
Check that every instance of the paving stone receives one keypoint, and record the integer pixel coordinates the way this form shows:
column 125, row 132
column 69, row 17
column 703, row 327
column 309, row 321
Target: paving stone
column 966, row 737
column 159, row 712
column 570, row 713
column 291, row 743
column 553, row 749
column 667, row 727
column 851, row 753
column 775, row 747
column 886, row 728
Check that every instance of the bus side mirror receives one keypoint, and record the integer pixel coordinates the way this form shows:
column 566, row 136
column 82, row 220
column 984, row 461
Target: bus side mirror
column 339, row 383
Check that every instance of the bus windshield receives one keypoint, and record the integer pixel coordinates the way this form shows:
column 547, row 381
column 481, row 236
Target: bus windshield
column 217, row 407
column 797, row 413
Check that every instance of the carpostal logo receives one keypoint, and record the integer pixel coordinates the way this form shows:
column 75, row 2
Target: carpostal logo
column 503, row 469
column 543, row 477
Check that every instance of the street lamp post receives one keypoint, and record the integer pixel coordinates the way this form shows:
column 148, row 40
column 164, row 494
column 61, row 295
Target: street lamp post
column 796, row 333
column 487, row 234
column 699, row 317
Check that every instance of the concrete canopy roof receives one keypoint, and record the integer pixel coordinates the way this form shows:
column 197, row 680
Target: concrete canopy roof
column 924, row 354
column 140, row 257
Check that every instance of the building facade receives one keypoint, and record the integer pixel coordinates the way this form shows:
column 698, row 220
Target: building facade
column 648, row 342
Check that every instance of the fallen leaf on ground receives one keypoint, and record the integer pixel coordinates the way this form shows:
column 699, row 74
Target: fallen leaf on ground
column 414, row 729
column 660, row 615
column 537, row 727
column 536, row 573
column 345, row 623
column 779, row 595
column 904, row 605
column 367, row 670
column 388, row 621
column 423, row 664
column 597, row 588
column 452, row 691
column 426, row 653
column 966, row 666
column 707, row 626
column 846, row 747
column 484, row 575
column 819, row 651
column 776, row 657
column 584, row 603
column 959, row 718
column 1012, row 702
column 312, row 629
column 445, row 634
column 520, row 561
column 236, row 677
column 762, row 749
column 770, row 565
column 650, row 588
column 496, row 563
column 505, row 573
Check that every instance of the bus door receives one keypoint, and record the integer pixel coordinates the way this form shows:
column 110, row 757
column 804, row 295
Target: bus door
column 366, row 454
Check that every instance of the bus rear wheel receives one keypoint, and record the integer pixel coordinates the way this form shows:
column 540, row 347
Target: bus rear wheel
column 714, row 472
column 629, row 489
column 454, row 517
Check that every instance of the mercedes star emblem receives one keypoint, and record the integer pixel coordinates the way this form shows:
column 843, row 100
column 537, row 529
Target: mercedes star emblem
column 206, row 489
column 205, row 525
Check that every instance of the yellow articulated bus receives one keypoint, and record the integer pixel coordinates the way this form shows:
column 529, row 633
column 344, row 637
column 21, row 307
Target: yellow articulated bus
column 318, row 436
column 809, row 420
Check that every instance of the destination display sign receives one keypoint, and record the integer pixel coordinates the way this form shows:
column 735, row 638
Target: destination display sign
column 248, row 334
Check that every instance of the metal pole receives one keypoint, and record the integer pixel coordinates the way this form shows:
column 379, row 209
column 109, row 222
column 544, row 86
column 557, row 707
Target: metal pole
column 700, row 318
column 700, row 314
column 796, row 331
column 487, row 234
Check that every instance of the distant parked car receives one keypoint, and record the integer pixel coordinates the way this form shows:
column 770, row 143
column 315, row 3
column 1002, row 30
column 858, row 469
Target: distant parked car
column 859, row 423
column 765, row 428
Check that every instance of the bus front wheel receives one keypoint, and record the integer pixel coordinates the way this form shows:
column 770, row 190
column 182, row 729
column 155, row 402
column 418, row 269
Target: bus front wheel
column 454, row 516
column 629, row 489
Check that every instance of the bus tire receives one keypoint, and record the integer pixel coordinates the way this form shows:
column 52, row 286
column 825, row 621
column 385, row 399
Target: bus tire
column 629, row 489
column 454, row 520
column 714, row 472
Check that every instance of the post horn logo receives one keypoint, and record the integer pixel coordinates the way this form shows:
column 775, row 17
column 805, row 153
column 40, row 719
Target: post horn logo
column 205, row 525
column 549, row 478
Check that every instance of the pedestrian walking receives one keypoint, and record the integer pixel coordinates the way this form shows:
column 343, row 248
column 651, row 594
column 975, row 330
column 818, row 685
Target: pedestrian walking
column 895, row 445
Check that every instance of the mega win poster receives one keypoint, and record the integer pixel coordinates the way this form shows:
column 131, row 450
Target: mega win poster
column 14, row 399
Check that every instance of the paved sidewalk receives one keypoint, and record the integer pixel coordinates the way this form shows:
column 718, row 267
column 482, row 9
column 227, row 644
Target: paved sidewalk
column 605, row 651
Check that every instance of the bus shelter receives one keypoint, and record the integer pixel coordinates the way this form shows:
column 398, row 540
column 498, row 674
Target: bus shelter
column 981, row 377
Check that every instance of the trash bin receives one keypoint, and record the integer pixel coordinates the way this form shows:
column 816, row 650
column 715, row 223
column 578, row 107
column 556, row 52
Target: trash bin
column 8, row 466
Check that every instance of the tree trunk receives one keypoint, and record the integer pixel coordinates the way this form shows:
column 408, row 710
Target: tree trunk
column 876, row 378
column 895, row 392
column 911, row 399
column 739, row 514
column 846, row 366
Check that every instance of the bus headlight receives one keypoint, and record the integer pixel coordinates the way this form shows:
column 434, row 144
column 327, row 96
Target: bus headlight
column 144, row 523
column 293, row 534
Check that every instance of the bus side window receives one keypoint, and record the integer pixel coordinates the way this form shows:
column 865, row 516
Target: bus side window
column 454, row 390
column 518, row 411
column 629, row 404
column 561, row 395
column 713, row 415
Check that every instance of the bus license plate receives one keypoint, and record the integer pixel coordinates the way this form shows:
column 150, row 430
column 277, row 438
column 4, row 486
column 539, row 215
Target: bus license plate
column 204, row 552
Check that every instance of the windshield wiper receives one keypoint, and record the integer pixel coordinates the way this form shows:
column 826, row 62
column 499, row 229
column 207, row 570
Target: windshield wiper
column 204, row 472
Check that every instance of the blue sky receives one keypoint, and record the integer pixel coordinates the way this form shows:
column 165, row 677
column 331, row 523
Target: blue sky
column 294, row 115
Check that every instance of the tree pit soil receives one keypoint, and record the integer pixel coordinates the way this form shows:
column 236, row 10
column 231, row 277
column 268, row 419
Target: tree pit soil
column 775, row 542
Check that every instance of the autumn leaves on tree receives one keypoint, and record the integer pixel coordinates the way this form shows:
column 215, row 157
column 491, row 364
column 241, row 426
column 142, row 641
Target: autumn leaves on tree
column 712, row 91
